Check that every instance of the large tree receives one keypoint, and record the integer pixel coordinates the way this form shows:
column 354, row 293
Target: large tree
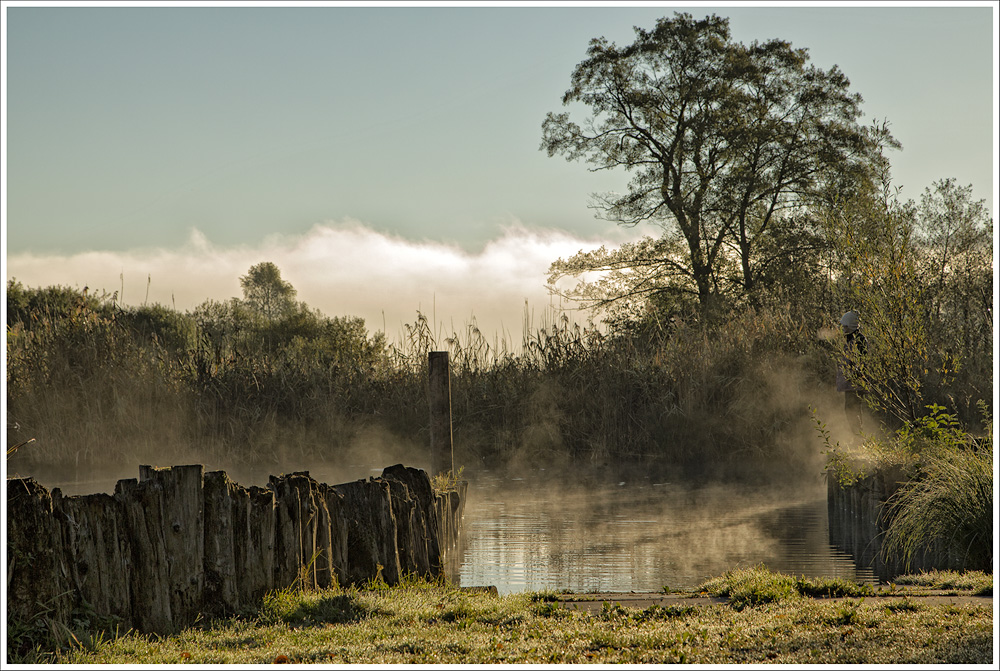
column 728, row 145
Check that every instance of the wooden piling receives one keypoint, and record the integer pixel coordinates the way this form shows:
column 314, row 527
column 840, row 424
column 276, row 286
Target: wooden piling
column 439, row 396
column 257, row 557
column 372, row 548
column 222, row 537
column 142, row 504
column 177, row 543
column 97, row 552
column 37, row 585
column 420, row 536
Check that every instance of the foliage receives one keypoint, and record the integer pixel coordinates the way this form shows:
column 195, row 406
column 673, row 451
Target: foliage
column 726, row 143
column 770, row 194
column 945, row 508
column 976, row 582
column 95, row 383
column 447, row 482
column 832, row 588
column 759, row 585
column 157, row 325
column 878, row 280
column 82, row 363
column 311, row 608
column 936, row 430
column 26, row 305
column 918, row 277
column 752, row 587
column 953, row 240
column 266, row 293
column 102, row 384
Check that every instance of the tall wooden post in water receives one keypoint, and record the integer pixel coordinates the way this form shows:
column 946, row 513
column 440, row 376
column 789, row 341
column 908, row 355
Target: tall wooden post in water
column 439, row 394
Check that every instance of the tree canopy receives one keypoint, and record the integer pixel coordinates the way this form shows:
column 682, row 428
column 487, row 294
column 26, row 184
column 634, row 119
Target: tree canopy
column 266, row 293
column 728, row 145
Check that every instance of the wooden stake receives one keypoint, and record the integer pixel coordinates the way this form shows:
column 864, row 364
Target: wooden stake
column 439, row 395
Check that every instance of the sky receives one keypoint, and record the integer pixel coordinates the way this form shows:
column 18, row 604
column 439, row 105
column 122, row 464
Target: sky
column 387, row 158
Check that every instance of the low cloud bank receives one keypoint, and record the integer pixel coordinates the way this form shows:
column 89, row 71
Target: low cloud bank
column 340, row 268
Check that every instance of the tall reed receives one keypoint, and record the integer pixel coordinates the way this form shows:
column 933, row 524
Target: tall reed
column 947, row 509
column 97, row 383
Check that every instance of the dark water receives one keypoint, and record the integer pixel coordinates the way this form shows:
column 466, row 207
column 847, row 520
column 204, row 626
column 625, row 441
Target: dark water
column 523, row 535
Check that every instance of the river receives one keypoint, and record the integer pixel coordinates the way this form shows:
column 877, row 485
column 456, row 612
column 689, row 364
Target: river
column 538, row 535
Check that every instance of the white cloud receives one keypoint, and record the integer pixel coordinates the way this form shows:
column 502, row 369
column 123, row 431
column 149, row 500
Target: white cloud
column 341, row 268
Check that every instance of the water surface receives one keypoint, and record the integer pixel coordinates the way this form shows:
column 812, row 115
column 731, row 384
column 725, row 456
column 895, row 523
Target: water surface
column 538, row 535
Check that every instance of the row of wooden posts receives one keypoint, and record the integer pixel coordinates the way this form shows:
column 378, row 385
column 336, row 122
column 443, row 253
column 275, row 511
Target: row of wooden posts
column 178, row 543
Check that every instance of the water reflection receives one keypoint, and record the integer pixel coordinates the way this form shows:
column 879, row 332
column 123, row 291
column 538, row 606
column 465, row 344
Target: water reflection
column 522, row 535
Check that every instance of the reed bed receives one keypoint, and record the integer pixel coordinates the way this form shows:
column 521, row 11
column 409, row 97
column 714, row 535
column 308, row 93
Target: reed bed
column 98, row 383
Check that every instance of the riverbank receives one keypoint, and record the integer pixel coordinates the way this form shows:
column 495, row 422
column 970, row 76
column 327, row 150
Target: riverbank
column 745, row 616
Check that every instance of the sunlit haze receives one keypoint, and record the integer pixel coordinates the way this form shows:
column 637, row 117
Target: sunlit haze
column 340, row 268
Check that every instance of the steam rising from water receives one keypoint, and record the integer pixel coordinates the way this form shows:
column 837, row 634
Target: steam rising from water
column 641, row 535
column 341, row 268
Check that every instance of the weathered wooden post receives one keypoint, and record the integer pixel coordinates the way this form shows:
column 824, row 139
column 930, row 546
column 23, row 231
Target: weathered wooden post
column 439, row 394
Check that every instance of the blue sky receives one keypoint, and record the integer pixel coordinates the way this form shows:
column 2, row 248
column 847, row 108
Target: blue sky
column 144, row 133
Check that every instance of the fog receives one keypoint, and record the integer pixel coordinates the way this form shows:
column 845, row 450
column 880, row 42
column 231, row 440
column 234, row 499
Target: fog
column 341, row 268
column 641, row 534
column 655, row 529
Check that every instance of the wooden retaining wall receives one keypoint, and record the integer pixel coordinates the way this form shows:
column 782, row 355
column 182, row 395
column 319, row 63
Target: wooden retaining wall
column 859, row 518
column 177, row 543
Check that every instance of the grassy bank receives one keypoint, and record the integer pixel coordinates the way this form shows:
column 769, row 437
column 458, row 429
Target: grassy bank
column 768, row 617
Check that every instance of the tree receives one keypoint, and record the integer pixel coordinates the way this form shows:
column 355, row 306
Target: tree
column 954, row 241
column 266, row 293
column 955, row 236
column 876, row 274
column 726, row 143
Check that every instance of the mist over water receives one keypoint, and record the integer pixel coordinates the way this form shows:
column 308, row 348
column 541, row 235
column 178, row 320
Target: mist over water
column 564, row 526
column 537, row 534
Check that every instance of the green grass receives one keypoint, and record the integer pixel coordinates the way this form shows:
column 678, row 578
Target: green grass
column 977, row 583
column 756, row 586
column 430, row 623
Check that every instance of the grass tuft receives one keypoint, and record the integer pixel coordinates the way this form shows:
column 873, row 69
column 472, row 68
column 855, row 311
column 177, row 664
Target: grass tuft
column 946, row 510
column 752, row 587
column 759, row 585
column 978, row 583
